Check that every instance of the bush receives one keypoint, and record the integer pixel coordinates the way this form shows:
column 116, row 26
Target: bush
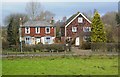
column 109, row 47
column 54, row 47
column 98, row 46
column 38, row 46
column 86, row 45
column 28, row 48
column 5, row 45
column 46, row 47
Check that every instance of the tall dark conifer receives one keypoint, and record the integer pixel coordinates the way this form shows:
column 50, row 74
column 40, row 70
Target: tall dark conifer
column 10, row 37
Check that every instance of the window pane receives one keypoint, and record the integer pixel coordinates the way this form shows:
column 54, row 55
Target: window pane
column 27, row 30
column 80, row 20
column 74, row 29
column 47, row 29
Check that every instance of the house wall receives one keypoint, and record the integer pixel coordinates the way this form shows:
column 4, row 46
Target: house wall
column 41, row 35
column 79, row 26
column 42, row 32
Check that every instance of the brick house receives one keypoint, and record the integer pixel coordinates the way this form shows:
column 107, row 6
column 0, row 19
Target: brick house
column 34, row 32
column 77, row 28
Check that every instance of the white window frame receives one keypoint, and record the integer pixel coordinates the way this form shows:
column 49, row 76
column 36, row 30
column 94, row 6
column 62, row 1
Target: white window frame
column 87, row 29
column 74, row 29
column 37, row 28
column 48, row 40
column 46, row 30
column 80, row 19
column 27, row 31
column 27, row 39
column 85, row 38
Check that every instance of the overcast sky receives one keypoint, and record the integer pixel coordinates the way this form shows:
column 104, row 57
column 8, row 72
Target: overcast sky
column 60, row 9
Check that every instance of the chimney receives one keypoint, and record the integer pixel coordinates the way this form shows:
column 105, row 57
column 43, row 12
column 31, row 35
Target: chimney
column 20, row 22
column 52, row 21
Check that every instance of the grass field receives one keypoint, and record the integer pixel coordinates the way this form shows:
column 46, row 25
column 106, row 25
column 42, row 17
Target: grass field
column 81, row 65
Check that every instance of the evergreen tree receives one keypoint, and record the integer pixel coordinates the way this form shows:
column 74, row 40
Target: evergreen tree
column 13, row 28
column 98, row 32
column 118, row 18
column 10, row 36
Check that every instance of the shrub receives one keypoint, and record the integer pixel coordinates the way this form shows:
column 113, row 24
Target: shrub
column 54, row 47
column 5, row 45
column 86, row 45
column 47, row 47
column 98, row 46
column 58, row 47
column 109, row 47
column 112, row 47
column 38, row 46
column 28, row 48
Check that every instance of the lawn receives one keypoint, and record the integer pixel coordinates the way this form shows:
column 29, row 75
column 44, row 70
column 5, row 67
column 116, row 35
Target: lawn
column 80, row 65
column 0, row 67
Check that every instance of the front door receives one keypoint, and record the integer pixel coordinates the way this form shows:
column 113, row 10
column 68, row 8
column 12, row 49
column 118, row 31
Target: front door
column 77, row 41
column 37, row 40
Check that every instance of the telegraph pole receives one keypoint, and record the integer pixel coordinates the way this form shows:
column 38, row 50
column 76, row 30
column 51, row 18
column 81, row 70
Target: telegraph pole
column 20, row 35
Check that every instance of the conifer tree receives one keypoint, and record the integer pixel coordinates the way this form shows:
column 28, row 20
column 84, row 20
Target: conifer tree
column 13, row 21
column 10, row 37
column 98, row 32
column 118, row 18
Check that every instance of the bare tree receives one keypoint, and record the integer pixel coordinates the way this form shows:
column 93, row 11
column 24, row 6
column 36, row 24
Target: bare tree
column 89, row 14
column 33, row 9
column 42, row 15
column 110, row 18
column 48, row 15
column 64, row 19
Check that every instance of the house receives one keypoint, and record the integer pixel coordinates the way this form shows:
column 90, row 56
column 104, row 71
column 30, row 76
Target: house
column 77, row 28
column 34, row 32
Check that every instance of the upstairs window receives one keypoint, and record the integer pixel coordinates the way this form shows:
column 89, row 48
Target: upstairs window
column 87, row 29
column 47, row 30
column 74, row 29
column 27, row 30
column 80, row 20
column 37, row 30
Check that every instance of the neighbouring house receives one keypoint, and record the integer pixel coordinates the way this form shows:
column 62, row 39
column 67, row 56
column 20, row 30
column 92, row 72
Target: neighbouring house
column 34, row 32
column 77, row 28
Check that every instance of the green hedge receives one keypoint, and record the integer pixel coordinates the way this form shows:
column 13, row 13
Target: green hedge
column 46, row 47
column 86, row 45
column 109, row 47
column 54, row 47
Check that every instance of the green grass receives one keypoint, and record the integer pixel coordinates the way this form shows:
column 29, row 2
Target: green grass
column 0, row 67
column 84, row 65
